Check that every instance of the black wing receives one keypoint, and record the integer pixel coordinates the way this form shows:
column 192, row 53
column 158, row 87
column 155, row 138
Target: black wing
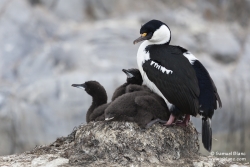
column 179, row 87
column 208, row 92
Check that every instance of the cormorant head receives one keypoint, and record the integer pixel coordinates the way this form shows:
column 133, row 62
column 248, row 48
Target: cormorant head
column 155, row 32
column 91, row 87
column 133, row 76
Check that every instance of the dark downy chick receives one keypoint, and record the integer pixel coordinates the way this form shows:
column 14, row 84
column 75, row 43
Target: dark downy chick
column 99, row 95
column 133, row 77
column 139, row 105
column 99, row 99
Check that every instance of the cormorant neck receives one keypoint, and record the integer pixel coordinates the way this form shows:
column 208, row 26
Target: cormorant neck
column 99, row 98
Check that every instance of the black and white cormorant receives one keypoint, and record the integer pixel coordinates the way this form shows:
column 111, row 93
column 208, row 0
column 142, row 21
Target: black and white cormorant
column 177, row 76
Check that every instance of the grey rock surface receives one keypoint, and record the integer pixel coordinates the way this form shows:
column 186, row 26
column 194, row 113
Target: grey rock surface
column 47, row 46
column 223, row 45
column 120, row 144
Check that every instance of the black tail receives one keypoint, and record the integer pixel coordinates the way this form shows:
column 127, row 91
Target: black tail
column 206, row 134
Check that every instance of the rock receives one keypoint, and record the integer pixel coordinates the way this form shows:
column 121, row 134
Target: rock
column 223, row 46
column 127, row 142
column 119, row 144
column 64, row 10
column 230, row 10
column 49, row 160
column 243, row 65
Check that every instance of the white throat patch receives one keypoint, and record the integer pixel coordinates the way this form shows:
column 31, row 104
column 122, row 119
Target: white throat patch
column 142, row 55
column 161, row 35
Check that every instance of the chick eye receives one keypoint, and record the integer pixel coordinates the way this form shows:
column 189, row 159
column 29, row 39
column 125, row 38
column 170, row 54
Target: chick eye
column 144, row 34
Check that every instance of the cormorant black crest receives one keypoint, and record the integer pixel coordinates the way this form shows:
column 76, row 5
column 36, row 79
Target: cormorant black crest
column 151, row 26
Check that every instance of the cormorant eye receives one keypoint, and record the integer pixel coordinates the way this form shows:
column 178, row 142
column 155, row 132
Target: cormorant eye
column 144, row 34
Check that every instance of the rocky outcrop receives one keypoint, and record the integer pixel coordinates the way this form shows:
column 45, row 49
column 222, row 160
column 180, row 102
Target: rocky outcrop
column 119, row 144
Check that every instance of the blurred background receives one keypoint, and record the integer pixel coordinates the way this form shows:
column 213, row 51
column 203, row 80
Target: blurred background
column 47, row 45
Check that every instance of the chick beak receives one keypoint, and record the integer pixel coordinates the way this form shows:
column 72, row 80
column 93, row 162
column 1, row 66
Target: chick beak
column 129, row 75
column 80, row 86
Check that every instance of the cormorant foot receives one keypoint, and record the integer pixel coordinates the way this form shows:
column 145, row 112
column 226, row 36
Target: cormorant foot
column 170, row 121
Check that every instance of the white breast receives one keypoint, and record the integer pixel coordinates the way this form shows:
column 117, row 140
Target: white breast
column 142, row 56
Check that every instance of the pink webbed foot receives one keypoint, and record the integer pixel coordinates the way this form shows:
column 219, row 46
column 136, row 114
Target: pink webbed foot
column 170, row 121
